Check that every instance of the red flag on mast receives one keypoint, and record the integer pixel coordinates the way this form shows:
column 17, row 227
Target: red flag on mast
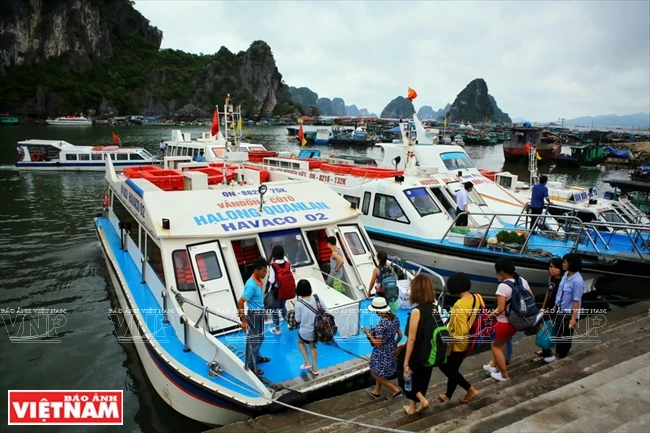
column 116, row 139
column 215, row 122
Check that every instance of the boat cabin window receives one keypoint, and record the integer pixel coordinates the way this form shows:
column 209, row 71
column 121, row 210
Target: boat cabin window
column 209, row 268
column 386, row 207
column 422, row 201
column 355, row 243
column 183, row 271
column 293, row 243
column 474, row 196
column 97, row 157
column 124, row 216
column 135, row 156
column 71, row 157
column 448, row 203
column 155, row 258
column 218, row 151
column 456, row 160
column 122, row 156
column 611, row 216
column 112, row 155
column 84, row 157
column 366, row 203
column 353, row 199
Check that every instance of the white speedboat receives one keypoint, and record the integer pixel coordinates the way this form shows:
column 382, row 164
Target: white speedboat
column 70, row 121
column 419, row 180
column 58, row 155
column 179, row 245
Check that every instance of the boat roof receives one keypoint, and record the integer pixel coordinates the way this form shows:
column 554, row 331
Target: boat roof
column 233, row 210
column 64, row 145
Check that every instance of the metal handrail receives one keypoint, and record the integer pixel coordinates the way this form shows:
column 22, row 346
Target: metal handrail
column 352, row 288
column 573, row 219
column 204, row 309
column 395, row 260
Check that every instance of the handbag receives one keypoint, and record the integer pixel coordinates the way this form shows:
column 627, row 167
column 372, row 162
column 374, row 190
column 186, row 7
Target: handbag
column 338, row 285
column 291, row 319
column 269, row 298
column 543, row 340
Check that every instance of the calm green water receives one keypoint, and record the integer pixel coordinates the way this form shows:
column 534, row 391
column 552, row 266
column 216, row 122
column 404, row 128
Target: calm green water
column 50, row 258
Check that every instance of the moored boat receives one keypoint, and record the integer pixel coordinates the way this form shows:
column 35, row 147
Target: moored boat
column 6, row 120
column 70, row 121
column 582, row 156
column 58, row 155
column 524, row 137
column 179, row 270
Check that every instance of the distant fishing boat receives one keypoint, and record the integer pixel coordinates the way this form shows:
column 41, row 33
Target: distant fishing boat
column 582, row 156
column 6, row 120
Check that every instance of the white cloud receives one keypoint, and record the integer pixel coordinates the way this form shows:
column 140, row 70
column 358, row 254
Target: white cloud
column 541, row 60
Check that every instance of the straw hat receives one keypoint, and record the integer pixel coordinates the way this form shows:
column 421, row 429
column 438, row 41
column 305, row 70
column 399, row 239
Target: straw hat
column 379, row 305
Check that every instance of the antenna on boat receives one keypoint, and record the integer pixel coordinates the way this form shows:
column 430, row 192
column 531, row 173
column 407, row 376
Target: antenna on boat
column 262, row 190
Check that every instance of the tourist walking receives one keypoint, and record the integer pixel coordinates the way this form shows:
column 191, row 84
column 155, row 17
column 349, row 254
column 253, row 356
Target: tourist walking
column 383, row 338
column 548, row 306
column 539, row 194
column 462, row 316
column 568, row 303
column 306, row 317
column 282, row 283
column 505, row 270
column 383, row 269
column 336, row 262
column 416, row 376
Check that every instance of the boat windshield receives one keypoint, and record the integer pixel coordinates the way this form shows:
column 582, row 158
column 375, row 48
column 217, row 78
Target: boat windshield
column 612, row 216
column 145, row 153
column 293, row 243
column 422, row 201
column 456, row 160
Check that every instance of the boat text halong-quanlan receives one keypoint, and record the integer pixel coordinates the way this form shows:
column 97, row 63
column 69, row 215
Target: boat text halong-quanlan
column 57, row 155
column 409, row 209
column 179, row 244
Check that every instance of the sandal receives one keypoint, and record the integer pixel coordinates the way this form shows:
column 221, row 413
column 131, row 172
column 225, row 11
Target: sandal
column 407, row 408
column 443, row 398
column 259, row 372
column 464, row 400
column 305, row 367
column 397, row 394
column 537, row 359
column 422, row 407
column 263, row 360
column 538, row 353
column 373, row 395
column 315, row 373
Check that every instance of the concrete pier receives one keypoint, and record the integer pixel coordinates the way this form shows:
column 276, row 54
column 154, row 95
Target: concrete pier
column 601, row 386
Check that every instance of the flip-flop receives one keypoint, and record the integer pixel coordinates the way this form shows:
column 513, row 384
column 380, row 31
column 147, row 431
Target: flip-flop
column 537, row 359
column 443, row 398
column 259, row 372
column 315, row 373
column 263, row 360
column 397, row 394
column 406, row 409
column 463, row 400
column 538, row 353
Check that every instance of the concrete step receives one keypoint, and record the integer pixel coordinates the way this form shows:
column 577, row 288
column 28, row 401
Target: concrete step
column 496, row 397
column 640, row 424
column 358, row 405
column 564, row 407
column 519, row 365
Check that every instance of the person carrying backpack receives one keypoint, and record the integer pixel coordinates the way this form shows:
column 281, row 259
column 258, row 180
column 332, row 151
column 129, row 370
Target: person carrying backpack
column 306, row 308
column 283, row 284
column 383, row 280
column 462, row 316
column 513, row 311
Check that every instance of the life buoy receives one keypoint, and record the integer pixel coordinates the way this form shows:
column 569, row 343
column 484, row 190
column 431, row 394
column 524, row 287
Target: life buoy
column 36, row 156
column 106, row 201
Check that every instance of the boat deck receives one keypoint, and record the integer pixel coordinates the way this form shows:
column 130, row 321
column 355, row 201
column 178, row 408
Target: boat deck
column 165, row 334
column 348, row 357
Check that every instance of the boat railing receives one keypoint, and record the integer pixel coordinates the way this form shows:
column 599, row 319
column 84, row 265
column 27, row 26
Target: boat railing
column 205, row 311
column 407, row 265
column 637, row 234
column 572, row 227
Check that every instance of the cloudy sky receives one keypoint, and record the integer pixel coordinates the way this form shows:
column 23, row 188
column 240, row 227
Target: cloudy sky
column 541, row 60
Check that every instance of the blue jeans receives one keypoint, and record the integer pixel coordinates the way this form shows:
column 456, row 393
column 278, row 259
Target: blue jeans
column 254, row 337
column 280, row 307
column 508, row 352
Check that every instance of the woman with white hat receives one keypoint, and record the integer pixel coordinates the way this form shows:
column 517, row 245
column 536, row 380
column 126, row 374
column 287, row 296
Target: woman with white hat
column 383, row 362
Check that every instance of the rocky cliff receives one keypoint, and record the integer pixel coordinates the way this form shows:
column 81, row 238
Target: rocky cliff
column 398, row 108
column 324, row 106
column 59, row 57
column 352, row 110
column 499, row 115
column 474, row 104
column 303, row 96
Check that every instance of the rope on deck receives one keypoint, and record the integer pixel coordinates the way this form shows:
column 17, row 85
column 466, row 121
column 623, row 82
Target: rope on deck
column 335, row 419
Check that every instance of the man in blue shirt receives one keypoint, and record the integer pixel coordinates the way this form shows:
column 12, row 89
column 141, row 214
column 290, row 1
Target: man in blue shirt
column 253, row 321
column 540, row 193
column 200, row 157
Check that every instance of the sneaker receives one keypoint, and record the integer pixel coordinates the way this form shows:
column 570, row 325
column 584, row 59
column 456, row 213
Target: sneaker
column 487, row 367
column 498, row 376
column 549, row 359
column 276, row 331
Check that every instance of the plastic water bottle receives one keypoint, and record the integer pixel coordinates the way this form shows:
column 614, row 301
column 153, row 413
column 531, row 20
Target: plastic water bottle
column 408, row 384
